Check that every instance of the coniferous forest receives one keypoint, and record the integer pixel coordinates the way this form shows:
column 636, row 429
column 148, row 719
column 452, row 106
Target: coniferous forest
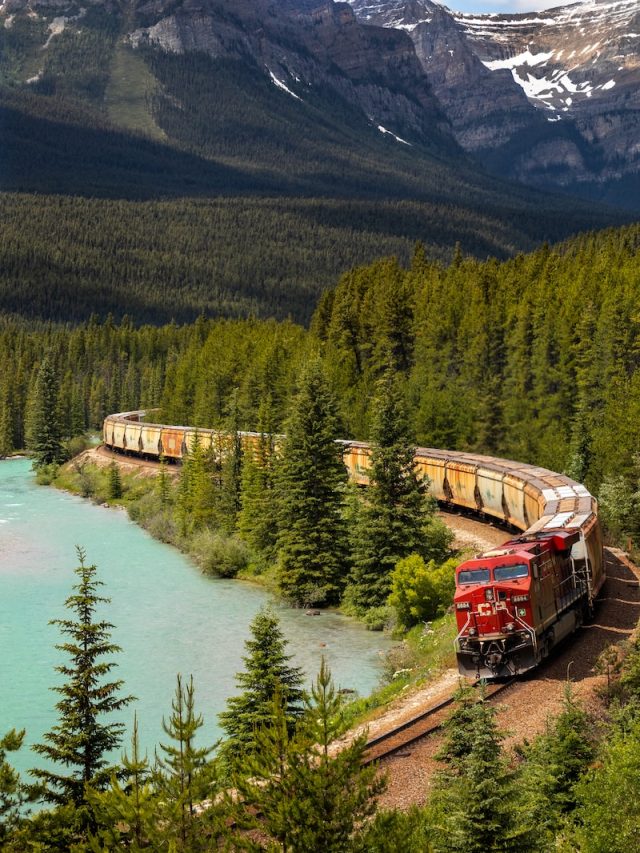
column 534, row 357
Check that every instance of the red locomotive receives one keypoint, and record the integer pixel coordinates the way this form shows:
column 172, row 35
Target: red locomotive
column 515, row 603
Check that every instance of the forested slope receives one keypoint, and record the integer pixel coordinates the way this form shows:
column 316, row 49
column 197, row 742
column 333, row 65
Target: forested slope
column 65, row 258
column 535, row 358
column 161, row 185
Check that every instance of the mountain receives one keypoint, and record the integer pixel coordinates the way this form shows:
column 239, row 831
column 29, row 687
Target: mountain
column 549, row 98
column 242, row 153
column 301, row 96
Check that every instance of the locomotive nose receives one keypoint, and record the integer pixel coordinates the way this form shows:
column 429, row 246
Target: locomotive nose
column 494, row 660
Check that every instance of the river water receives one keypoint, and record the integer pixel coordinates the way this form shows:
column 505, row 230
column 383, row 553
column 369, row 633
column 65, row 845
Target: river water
column 169, row 617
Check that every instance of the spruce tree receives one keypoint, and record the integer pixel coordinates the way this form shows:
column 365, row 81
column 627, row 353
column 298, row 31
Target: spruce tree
column 553, row 766
column 6, row 421
column 267, row 670
column 115, row 482
column 163, row 484
column 258, row 520
column 126, row 813
column 80, row 742
column 334, row 793
column 229, row 502
column 306, row 797
column 474, row 798
column 45, row 432
column 607, row 819
column 391, row 521
column 312, row 540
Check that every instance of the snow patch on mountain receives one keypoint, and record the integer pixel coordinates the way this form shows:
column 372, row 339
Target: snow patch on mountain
column 283, row 86
column 397, row 138
column 526, row 58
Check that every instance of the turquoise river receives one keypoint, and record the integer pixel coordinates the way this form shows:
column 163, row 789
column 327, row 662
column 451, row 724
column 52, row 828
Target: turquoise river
column 169, row 618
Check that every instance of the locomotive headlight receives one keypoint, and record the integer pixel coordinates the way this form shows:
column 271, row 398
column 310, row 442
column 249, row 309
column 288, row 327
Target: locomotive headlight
column 488, row 594
column 510, row 628
column 463, row 605
column 516, row 598
column 472, row 632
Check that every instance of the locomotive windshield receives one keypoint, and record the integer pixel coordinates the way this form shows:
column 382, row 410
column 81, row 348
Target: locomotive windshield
column 509, row 573
column 474, row 576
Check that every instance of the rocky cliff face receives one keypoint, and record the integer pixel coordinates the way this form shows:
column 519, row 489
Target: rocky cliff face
column 296, row 43
column 302, row 43
column 550, row 97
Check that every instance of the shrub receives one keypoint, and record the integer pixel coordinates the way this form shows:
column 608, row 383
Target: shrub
column 46, row 474
column 219, row 554
column 378, row 618
column 421, row 591
column 76, row 445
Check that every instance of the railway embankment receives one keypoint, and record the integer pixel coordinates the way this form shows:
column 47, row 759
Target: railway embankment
column 524, row 709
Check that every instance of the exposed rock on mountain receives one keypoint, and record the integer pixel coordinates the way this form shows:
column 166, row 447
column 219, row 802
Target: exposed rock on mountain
column 549, row 98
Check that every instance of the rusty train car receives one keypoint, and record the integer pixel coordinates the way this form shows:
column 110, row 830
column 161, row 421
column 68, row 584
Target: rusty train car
column 513, row 604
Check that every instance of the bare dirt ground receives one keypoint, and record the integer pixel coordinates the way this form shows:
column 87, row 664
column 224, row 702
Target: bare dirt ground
column 472, row 534
column 102, row 457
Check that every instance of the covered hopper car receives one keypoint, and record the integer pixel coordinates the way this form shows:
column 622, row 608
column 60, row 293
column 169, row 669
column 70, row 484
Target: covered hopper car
column 513, row 604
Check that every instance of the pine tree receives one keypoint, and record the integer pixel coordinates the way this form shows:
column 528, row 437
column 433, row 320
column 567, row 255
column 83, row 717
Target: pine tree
column 126, row 813
column 115, row 482
column 554, row 763
column 334, row 794
column 45, row 432
column 182, row 773
column 200, row 506
column 229, row 503
column 608, row 797
column 391, row 521
column 257, row 520
column 81, row 742
column 163, row 485
column 6, row 421
column 267, row 669
column 474, row 800
column 307, row 798
column 12, row 792
column 312, row 540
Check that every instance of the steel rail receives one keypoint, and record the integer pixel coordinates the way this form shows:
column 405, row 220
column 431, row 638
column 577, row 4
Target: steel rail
column 416, row 723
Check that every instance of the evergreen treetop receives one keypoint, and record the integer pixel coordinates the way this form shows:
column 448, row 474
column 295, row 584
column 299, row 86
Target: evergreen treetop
column 267, row 669
column 80, row 742
column 312, row 539
column 45, row 432
column 391, row 521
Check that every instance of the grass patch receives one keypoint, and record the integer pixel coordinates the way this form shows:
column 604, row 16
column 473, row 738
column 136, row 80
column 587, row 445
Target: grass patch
column 129, row 91
column 423, row 653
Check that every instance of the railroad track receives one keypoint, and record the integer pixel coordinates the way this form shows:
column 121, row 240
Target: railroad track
column 421, row 726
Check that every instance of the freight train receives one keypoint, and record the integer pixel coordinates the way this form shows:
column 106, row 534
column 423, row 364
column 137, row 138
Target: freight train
column 513, row 604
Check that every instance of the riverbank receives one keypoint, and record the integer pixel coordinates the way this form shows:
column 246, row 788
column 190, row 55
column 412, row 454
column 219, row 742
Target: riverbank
column 169, row 616
column 415, row 662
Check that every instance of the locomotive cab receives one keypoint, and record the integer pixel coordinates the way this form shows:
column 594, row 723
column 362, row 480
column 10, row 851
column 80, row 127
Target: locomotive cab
column 514, row 604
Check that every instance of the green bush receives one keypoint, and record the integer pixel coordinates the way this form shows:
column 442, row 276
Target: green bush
column 218, row 554
column 76, row 445
column 46, row 474
column 421, row 591
column 378, row 618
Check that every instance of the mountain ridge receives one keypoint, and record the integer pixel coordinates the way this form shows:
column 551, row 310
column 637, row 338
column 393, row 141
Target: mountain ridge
column 563, row 86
